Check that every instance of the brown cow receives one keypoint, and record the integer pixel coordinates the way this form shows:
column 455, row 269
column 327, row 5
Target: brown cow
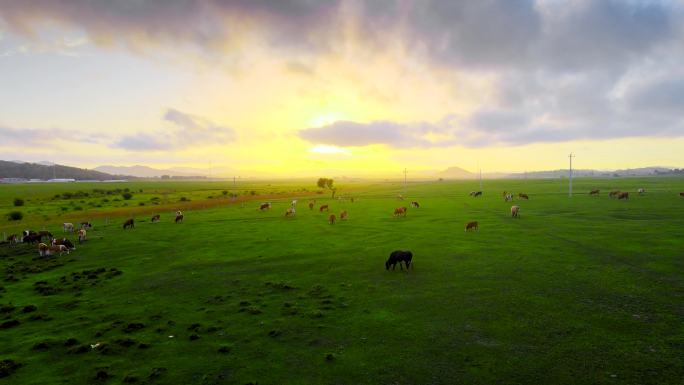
column 594, row 192
column 156, row 218
column 323, row 208
column 343, row 215
column 81, row 235
column 614, row 193
column 265, row 206
column 681, row 194
column 311, row 205
column 130, row 223
column 523, row 196
column 515, row 211
column 13, row 239
column 472, row 226
column 623, row 195
column 400, row 211
column 43, row 249
column 332, row 219
column 61, row 249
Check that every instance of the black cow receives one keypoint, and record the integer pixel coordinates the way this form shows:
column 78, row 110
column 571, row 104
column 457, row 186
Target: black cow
column 32, row 237
column 398, row 257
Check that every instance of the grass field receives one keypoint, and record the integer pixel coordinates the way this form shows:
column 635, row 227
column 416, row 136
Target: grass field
column 587, row 290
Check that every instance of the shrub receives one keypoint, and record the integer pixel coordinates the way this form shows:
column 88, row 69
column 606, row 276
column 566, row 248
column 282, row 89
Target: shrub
column 184, row 199
column 224, row 192
column 127, row 195
column 141, row 204
column 15, row 216
column 18, row 202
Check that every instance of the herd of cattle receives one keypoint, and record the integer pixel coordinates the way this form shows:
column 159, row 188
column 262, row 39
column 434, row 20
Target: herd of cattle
column 54, row 245
column 60, row 245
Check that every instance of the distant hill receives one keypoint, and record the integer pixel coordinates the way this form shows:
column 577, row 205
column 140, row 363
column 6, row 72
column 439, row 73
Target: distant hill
column 143, row 171
column 455, row 173
column 13, row 169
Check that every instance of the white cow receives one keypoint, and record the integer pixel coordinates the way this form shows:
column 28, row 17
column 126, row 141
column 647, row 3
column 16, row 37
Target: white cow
column 68, row 227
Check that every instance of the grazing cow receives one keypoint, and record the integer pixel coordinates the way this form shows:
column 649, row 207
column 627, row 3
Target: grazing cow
column 179, row 218
column 594, row 192
column 399, row 256
column 343, row 215
column 290, row 212
column 43, row 249
column 81, row 235
column 59, row 249
column 265, row 206
column 311, row 205
column 294, row 204
column 13, row 239
column 33, row 237
column 64, row 242
column 475, row 194
column 331, row 219
column 415, row 204
column 86, row 225
column 681, row 194
column 400, row 211
column 44, row 234
column 523, row 196
column 472, row 226
column 515, row 210
column 68, row 227
column 155, row 218
column 323, row 208
column 508, row 197
column 614, row 194
column 641, row 191
column 623, row 195
column 130, row 223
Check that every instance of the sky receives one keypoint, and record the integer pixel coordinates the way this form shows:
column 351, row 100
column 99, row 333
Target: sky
column 290, row 87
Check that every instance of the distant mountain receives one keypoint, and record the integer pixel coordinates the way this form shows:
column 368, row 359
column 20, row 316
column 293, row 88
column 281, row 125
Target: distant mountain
column 455, row 173
column 143, row 171
column 12, row 169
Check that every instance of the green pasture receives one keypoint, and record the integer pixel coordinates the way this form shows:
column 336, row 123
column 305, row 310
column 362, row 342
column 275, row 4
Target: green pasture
column 581, row 290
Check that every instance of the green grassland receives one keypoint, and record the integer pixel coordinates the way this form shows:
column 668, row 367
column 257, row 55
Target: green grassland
column 587, row 290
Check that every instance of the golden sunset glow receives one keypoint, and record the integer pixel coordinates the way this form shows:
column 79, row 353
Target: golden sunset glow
column 347, row 87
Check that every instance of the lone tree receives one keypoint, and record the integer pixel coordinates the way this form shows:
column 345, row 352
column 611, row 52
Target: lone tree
column 327, row 183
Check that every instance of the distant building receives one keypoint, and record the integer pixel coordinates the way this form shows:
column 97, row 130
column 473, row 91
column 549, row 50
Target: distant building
column 61, row 180
column 13, row 180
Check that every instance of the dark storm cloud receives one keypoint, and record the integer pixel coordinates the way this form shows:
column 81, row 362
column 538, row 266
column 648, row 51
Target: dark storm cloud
column 562, row 70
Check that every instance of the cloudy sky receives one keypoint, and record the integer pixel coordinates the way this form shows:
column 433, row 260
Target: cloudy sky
column 291, row 86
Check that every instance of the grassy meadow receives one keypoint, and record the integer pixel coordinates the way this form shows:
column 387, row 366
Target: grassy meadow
column 587, row 290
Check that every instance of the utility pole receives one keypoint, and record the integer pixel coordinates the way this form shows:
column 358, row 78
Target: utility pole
column 570, row 190
column 405, row 181
column 480, row 179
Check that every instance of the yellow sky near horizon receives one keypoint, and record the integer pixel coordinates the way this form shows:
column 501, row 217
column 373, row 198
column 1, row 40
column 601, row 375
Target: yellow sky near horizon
column 358, row 102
